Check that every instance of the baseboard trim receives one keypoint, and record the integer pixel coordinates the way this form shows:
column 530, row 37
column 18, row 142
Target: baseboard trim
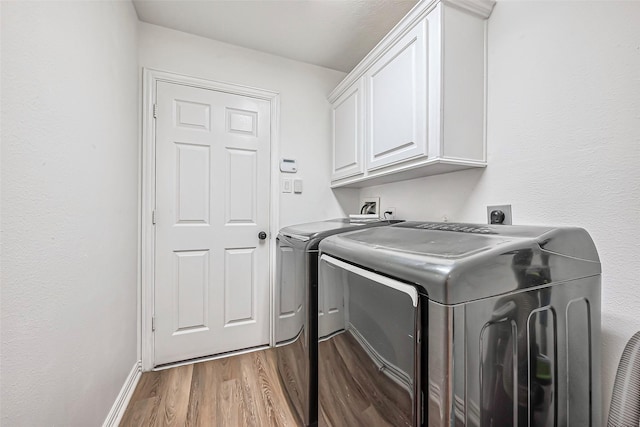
column 120, row 405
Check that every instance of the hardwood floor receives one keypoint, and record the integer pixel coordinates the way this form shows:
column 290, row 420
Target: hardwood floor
column 294, row 374
column 354, row 392
column 242, row 390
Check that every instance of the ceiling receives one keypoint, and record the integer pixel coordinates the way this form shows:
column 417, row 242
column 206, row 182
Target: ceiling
column 335, row 34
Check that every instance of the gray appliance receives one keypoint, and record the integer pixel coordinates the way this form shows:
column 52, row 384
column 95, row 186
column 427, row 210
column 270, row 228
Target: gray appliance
column 442, row 324
column 296, row 308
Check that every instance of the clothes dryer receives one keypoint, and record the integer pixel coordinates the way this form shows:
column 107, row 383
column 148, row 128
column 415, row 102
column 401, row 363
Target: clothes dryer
column 442, row 324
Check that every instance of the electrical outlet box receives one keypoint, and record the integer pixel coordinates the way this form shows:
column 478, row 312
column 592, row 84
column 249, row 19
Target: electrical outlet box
column 370, row 205
column 506, row 211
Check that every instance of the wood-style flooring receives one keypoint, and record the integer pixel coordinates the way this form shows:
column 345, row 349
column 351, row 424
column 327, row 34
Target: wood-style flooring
column 242, row 390
column 294, row 374
column 354, row 392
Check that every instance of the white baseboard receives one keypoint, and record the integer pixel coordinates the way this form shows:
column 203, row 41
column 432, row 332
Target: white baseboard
column 120, row 405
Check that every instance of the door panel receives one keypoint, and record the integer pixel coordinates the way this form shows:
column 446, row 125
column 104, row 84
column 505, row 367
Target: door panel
column 212, row 200
column 242, row 122
column 241, row 193
column 239, row 297
column 193, row 115
column 192, row 276
column 193, row 183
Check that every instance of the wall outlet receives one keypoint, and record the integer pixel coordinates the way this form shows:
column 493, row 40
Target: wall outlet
column 505, row 209
column 389, row 213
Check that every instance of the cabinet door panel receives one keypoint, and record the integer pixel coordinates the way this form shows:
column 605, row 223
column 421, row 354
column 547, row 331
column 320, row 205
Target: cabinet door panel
column 347, row 133
column 396, row 86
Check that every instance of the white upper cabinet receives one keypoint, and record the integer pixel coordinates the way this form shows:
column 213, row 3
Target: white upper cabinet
column 348, row 129
column 415, row 105
column 397, row 107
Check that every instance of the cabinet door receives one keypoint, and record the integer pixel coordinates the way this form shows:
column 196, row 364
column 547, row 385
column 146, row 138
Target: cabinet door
column 347, row 114
column 397, row 101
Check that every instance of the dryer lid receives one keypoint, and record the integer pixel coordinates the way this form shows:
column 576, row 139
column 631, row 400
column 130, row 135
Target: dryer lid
column 456, row 263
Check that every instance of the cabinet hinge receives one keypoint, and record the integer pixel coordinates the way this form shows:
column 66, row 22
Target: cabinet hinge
column 153, row 217
column 155, row 111
column 153, row 324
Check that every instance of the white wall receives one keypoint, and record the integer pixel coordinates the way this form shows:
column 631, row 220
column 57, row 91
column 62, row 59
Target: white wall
column 304, row 109
column 563, row 143
column 69, row 209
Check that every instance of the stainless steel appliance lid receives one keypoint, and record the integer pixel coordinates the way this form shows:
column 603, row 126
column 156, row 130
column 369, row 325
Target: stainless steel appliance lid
column 311, row 230
column 456, row 263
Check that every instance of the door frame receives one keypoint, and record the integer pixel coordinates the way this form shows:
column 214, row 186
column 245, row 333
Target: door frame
column 147, row 186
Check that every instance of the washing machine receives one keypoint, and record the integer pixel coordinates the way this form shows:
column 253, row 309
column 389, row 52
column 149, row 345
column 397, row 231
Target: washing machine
column 442, row 324
column 296, row 308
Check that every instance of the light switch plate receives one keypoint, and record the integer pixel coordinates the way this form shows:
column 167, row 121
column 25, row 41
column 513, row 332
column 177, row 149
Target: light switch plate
column 286, row 185
column 297, row 186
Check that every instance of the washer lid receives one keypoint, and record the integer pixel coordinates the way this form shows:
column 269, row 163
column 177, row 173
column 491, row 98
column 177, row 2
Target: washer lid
column 456, row 263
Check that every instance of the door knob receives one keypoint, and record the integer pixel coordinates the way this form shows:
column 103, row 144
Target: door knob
column 262, row 235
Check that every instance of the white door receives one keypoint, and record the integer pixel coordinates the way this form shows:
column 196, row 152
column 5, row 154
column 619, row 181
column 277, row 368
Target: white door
column 212, row 201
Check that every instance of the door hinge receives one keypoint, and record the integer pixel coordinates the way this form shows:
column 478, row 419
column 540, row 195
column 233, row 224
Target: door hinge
column 153, row 324
column 155, row 111
column 153, row 217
